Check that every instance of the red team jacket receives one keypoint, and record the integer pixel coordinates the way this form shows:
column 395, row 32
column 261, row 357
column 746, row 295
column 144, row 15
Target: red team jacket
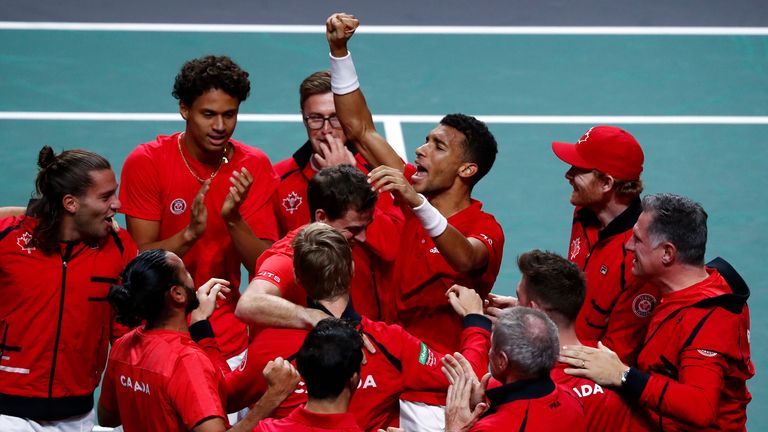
column 55, row 322
column 401, row 362
column 156, row 185
column 696, row 359
column 617, row 307
column 531, row 406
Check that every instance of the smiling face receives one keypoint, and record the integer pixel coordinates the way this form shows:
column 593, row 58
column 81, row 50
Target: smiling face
column 648, row 259
column 587, row 188
column 321, row 106
column 351, row 225
column 211, row 121
column 97, row 206
column 440, row 161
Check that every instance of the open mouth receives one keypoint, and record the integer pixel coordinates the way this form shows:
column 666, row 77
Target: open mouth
column 420, row 174
column 112, row 222
column 217, row 140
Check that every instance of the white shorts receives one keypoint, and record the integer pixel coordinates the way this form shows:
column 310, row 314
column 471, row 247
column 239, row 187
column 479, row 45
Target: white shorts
column 83, row 423
column 420, row 417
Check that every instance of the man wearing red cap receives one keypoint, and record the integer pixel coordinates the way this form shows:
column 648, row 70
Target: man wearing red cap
column 605, row 175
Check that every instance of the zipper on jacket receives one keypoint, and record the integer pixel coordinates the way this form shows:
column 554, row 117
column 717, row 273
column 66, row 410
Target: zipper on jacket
column 64, row 260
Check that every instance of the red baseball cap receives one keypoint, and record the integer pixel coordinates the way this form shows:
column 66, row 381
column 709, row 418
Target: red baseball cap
column 609, row 149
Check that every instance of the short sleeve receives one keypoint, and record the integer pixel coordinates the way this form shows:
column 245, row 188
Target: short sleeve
column 193, row 390
column 139, row 186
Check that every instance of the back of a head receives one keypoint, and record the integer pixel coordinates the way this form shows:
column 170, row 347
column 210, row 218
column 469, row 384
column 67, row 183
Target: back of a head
column 554, row 283
column 338, row 189
column 529, row 339
column 322, row 261
column 329, row 357
column 680, row 221
column 200, row 75
column 68, row 173
column 144, row 283
column 480, row 146
column 315, row 84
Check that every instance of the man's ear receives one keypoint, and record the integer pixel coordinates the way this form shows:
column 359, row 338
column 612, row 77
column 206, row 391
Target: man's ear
column 467, row 169
column 70, row 203
column 321, row 216
column 500, row 360
column 670, row 253
column 183, row 110
column 354, row 381
column 178, row 294
column 606, row 182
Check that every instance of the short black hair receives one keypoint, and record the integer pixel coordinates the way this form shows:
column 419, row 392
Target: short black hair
column 330, row 355
column 479, row 146
column 207, row 73
column 338, row 189
column 553, row 282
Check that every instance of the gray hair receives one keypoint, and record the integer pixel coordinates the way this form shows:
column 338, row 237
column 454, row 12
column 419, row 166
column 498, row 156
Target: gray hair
column 529, row 339
column 680, row 221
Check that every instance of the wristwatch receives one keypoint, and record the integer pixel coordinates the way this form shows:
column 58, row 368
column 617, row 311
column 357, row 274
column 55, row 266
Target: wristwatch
column 624, row 375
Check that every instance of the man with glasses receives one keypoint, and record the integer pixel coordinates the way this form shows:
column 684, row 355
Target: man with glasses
column 325, row 147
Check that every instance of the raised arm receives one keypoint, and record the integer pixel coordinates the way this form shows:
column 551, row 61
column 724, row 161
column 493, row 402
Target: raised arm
column 351, row 108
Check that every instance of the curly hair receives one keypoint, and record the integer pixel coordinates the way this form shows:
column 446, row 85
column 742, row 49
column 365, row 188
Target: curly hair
column 210, row 72
column 479, row 145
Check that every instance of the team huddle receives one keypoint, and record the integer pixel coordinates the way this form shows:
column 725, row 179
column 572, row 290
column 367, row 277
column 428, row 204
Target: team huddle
column 369, row 305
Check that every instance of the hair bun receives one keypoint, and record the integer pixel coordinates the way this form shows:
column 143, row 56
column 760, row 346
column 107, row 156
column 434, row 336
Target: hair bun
column 46, row 157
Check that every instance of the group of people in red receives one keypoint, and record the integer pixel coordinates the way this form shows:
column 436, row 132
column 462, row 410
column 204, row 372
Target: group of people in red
column 370, row 303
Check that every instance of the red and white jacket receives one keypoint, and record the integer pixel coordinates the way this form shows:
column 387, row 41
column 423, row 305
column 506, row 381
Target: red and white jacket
column 55, row 321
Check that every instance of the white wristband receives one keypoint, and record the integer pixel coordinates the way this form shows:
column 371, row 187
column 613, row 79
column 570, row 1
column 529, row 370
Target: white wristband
column 431, row 219
column 343, row 74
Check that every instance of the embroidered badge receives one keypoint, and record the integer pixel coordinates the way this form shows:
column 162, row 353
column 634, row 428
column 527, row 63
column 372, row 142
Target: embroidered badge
column 643, row 305
column 23, row 242
column 178, row 206
column 426, row 356
column 707, row 353
column 585, row 138
column 603, row 269
column 292, row 202
column 575, row 247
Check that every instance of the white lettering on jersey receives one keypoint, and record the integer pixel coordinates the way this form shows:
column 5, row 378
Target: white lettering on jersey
column 588, row 390
column 137, row 386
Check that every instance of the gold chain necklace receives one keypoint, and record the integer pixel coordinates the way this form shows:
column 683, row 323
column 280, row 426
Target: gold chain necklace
column 223, row 161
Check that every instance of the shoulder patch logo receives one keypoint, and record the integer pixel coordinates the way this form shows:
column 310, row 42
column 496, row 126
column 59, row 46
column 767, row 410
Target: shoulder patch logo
column 575, row 248
column 643, row 305
column 292, row 202
column 707, row 353
column 23, row 242
column 178, row 206
column 426, row 356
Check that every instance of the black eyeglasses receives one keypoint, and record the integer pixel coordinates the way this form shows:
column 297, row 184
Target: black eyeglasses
column 318, row 121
